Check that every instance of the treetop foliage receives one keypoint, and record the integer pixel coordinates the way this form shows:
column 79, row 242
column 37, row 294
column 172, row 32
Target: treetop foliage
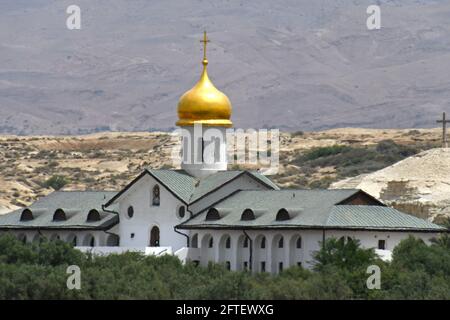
column 38, row 271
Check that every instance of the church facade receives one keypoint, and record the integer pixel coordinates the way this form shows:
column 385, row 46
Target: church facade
column 205, row 213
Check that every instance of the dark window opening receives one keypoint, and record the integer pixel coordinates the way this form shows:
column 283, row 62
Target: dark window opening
column 299, row 243
column 280, row 266
column 154, row 237
column 213, row 214
column 299, row 264
column 228, row 265
column 156, row 196
column 211, row 242
column 263, row 266
column 27, row 215
column 281, row 243
column 132, row 235
column 263, row 243
column 130, row 212
column 228, row 243
column 194, row 242
column 245, row 243
column 92, row 242
column 59, row 215
column 181, row 212
column 282, row 215
column 247, row 215
column 382, row 244
column 202, row 146
column 245, row 265
column 93, row 215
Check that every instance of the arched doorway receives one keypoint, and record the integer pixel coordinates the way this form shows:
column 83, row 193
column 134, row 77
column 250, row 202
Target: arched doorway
column 154, row 237
column 207, row 249
column 89, row 241
column 278, row 254
column 296, row 250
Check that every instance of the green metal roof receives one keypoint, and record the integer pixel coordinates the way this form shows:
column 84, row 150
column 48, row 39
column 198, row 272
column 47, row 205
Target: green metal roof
column 190, row 189
column 356, row 216
column 308, row 209
column 178, row 181
column 76, row 205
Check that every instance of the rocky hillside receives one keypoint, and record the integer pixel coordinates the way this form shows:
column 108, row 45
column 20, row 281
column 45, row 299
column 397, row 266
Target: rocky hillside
column 419, row 184
column 35, row 166
column 289, row 64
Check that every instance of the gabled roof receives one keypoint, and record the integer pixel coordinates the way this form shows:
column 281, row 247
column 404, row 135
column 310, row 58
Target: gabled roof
column 178, row 181
column 308, row 209
column 190, row 189
column 76, row 204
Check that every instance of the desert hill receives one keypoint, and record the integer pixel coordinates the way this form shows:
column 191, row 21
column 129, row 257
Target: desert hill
column 33, row 166
column 419, row 184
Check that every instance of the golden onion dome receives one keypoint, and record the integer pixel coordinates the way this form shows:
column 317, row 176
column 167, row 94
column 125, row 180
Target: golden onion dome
column 204, row 104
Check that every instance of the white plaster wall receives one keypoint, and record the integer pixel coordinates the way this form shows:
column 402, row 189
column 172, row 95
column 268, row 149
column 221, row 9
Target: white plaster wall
column 271, row 254
column 146, row 216
column 289, row 254
column 369, row 239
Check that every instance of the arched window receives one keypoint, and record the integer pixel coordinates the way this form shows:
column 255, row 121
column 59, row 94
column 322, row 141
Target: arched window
column 263, row 243
column 194, row 241
column 228, row 243
column 130, row 212
column 155, row 196
column 299, row 243
column 59, row 215
column 74, row 241
column 26, row 215
column 212, row 214
column 281, row 243
column 282, row 215
column 93, row 215
column 247, row 215
column 211, row 242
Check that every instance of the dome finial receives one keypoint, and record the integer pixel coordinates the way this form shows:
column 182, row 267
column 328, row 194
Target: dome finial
column 205, row 41
column 204, row 104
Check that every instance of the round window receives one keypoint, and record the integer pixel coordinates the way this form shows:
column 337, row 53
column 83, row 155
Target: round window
column 181, row 212
column 130, row 212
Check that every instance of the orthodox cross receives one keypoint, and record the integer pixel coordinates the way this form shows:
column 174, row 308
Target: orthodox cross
column 205, row 41
column 444, row 130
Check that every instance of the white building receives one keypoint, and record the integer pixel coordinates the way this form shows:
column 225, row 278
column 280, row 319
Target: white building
column 205, row 212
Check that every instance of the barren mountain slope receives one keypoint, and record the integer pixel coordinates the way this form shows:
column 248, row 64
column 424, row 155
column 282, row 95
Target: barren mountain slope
column 290, row 64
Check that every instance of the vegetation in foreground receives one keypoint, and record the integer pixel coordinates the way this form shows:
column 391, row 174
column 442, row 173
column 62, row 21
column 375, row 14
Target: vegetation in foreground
column 38, row 271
